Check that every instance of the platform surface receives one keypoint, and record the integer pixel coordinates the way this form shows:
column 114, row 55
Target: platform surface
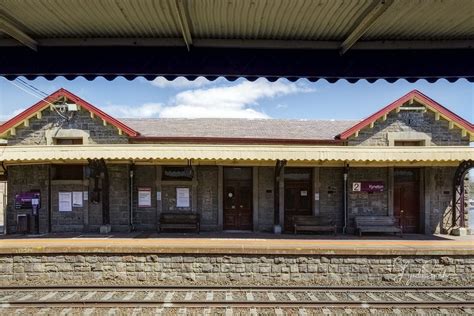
column 238, row 243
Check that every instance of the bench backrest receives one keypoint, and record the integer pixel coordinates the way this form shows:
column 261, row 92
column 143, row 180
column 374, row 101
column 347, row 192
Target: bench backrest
column 311, row 220
column 179, row 218
column 375, row 220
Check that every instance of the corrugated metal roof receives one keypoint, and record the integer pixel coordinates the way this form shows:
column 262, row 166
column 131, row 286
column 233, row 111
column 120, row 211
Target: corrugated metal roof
column 242, row 19
column 163, row 152
column 274, row 19
column 94, row 18
column 240, row 128
column 429, row 20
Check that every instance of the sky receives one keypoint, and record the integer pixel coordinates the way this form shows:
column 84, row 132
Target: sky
column 260, row 99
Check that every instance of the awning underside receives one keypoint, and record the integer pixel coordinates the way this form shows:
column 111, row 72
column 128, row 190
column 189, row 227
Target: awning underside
column 164, row 152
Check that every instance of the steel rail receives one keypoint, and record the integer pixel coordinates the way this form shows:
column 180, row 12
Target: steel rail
column 235, row 304
column 236, row 287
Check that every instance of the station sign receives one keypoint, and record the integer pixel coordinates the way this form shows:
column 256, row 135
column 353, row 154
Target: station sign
column 368, row 186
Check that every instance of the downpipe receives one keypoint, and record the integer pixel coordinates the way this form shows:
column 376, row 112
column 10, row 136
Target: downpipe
column 131, row 174
column 346, row 172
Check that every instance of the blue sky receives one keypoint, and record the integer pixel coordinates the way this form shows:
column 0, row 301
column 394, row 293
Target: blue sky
column 241, row 98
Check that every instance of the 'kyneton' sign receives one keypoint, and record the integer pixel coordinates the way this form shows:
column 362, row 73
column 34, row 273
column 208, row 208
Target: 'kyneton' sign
column 368, row 186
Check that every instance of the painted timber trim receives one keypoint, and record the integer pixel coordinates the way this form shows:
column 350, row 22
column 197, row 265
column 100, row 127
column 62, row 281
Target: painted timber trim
column 409, row 97
column 41, row 105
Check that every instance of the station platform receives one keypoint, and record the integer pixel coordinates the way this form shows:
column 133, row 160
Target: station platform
column 236, row 243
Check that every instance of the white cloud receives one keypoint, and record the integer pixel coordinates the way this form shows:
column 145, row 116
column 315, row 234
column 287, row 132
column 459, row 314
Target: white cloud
column 6, row 117
column 281, row 106
column 237, row 100
column 233, row 101
column 180, row 82
column 145, row 110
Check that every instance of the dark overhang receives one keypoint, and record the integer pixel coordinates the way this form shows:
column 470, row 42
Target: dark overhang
column 337, row 39
column 232, row 63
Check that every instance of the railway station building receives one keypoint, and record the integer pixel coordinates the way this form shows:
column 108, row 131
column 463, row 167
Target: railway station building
column 81, row 170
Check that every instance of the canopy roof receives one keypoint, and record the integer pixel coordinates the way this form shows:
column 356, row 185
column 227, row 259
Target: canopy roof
column 229, row 153
column 269, row 38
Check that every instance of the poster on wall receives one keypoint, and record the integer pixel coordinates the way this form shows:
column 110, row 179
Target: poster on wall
column 65, row 202
column 182, row 197
column 144, row 197
column 77, row 199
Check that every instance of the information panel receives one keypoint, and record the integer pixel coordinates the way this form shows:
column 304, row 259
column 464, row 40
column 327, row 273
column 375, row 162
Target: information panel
column 182, row 197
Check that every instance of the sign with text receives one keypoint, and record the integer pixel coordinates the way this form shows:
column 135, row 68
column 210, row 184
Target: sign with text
column 23, row 200
column 182, row 197
column 368, row 186
column 144, row 197
column 65, row 201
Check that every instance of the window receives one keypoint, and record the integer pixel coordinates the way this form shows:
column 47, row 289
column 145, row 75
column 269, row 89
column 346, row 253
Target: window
column 68, row 141
column 409, row 143
column 177, row 173
column 67, row 172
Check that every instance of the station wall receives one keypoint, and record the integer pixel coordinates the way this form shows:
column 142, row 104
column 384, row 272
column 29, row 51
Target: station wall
column 436, row 196
column 414, row 125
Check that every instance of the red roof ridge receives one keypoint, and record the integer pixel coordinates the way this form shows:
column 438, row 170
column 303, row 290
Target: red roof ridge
column 40, row 105
column 413, row 94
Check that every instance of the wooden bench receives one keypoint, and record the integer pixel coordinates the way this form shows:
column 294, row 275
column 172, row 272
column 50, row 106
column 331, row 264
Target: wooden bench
column 313, row 223
column 172, row 221
column 377, row 224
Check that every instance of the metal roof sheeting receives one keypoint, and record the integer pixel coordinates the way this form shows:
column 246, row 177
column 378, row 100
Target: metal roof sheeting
column 163, row 152
column 241, row 19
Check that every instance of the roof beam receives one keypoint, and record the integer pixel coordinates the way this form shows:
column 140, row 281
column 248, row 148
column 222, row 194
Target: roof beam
column 10, row 27
column 366, row 20
column 184, row 22
column 237, row 43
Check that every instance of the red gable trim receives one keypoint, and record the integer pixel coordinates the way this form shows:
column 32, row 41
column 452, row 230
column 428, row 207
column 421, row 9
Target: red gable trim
column 31, row 111
column 407, row 97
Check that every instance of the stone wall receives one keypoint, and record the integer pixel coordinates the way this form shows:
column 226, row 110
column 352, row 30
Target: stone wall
column 409, row 121
column 86, row 218
column 3, row 204
column 366, row 203
column 37, row 131
column 439, row 185
column 265, row 198
column 67, row 221
column 145, row 218
column 435, row 208
column 235, row 269
column 24, row 179
column 331, row 195
column 207, row 196
column 119, row 197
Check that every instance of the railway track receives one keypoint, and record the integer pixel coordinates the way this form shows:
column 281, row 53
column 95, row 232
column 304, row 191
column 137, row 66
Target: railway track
column 225, row 300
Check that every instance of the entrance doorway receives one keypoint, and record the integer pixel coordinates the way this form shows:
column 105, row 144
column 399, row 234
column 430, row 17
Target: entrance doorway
column 238, row 213
column 406, row 199
column 298, row 191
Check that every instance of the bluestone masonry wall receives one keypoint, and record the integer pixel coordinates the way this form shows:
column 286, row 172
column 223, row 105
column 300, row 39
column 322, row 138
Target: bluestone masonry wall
column 36, row 132
column 410, row 121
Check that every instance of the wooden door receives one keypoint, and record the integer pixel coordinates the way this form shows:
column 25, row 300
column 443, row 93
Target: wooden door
column 297, row 201
column 238, row 213
column 407, row 199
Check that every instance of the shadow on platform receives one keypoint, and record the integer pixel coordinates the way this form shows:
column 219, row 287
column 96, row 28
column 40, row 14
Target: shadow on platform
column 234, row 235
